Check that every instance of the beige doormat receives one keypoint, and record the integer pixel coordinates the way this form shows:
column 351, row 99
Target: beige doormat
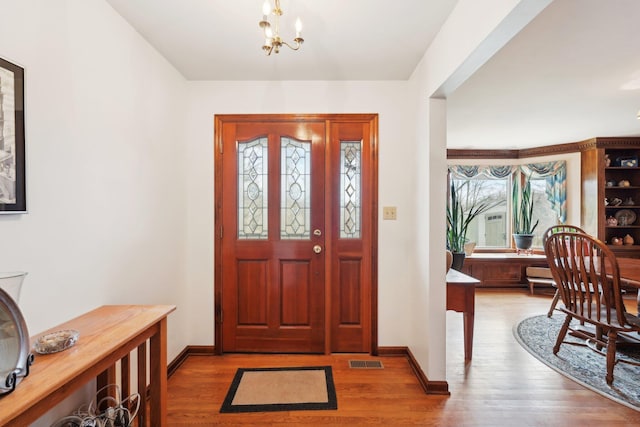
column 281, row 389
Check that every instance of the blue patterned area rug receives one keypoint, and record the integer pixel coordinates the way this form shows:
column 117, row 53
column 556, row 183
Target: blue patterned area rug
column 581, row 364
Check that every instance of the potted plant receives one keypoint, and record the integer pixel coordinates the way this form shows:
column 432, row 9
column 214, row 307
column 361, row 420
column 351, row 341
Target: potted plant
column 522, row 202
column 460, row 212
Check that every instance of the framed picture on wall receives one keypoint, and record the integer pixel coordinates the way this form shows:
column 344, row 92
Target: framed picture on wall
column 12, row 161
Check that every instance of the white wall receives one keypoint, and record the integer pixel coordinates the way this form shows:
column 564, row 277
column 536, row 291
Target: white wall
column 105, row 166
column 388, row 99
column 471, row 35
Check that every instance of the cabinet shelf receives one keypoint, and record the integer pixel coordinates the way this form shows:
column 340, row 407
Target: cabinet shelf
column 595, row 175
column 620, row 168
column 618, row 187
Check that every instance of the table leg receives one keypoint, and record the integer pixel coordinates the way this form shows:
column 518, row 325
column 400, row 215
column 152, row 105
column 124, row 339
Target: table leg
column 158, row 375
column 468, row 336
column 143, row 420
column 461, row 298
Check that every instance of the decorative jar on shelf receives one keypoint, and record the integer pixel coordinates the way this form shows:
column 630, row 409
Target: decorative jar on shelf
column 612, row 221
column 616, row 241
column 628, row 240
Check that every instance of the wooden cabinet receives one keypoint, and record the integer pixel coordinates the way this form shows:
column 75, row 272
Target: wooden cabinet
column 501, row 270
column 610, row 176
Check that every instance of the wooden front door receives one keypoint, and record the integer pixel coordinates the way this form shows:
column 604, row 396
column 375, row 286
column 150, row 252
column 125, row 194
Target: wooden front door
column 290, row 219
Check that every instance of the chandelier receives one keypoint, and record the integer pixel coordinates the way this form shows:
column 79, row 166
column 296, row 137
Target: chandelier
column 272, row 40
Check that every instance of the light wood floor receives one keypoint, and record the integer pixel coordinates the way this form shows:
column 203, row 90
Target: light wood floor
column 503, row 386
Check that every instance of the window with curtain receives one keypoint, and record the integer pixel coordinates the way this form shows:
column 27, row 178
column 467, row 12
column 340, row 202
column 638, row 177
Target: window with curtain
column 548, row 185
column 490, row 184
column 492, row 229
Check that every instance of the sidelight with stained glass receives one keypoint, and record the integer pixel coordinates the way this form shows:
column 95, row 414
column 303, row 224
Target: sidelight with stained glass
column 350, row 189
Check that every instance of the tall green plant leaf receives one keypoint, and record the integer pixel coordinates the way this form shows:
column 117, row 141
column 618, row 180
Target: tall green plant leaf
column 522, row 202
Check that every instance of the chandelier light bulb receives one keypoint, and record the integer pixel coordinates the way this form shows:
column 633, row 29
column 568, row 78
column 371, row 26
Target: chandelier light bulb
column 266, row 9
column 268, row 32
column 298, row 27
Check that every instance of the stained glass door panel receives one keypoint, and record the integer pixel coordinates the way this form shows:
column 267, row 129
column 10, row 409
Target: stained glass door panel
column 295, row 183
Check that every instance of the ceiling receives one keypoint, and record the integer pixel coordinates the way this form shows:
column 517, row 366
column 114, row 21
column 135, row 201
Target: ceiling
column 572, row 74
column 344, row 39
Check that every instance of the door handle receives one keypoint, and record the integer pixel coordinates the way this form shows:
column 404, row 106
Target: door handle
column 317, row 249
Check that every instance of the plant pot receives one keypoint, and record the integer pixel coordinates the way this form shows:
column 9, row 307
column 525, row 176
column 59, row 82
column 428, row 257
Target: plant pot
column 458, row 260
column 523, row 241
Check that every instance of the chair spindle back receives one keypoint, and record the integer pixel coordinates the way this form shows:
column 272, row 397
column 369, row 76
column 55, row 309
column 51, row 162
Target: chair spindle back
column 588, row 278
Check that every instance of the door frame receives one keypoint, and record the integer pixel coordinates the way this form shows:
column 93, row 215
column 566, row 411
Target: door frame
column 372, row 119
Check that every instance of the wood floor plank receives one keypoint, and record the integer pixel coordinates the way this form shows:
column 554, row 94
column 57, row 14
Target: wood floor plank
column 503, row 386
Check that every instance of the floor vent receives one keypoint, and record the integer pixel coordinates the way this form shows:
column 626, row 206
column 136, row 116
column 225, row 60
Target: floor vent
column 366, row 364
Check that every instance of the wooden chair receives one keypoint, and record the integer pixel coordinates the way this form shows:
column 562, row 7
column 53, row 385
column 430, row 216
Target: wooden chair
column 548, row 232
column 588, row 277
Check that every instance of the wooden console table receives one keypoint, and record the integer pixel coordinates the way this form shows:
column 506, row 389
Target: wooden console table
column 108, row 334
column 461, row 297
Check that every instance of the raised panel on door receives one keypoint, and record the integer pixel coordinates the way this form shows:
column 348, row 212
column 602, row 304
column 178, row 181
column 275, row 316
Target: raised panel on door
column 252, row 294
column 296, row 290
column 350, row 302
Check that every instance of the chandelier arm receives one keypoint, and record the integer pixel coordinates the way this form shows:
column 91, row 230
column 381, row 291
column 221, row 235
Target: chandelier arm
column 298, row 43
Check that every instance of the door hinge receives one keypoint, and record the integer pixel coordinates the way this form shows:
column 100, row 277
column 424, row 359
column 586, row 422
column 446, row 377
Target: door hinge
column 221, row 228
